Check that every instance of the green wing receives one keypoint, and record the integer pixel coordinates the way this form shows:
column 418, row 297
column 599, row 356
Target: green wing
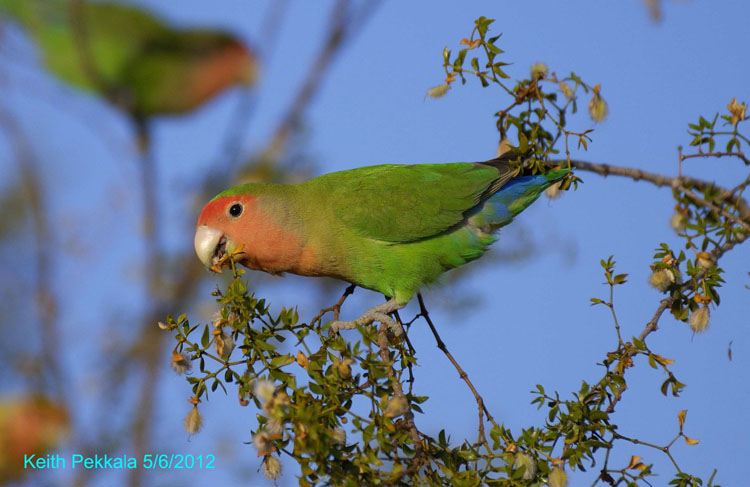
column 399, row 204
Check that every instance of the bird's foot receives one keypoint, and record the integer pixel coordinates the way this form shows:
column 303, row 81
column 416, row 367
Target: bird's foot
column 377, row 313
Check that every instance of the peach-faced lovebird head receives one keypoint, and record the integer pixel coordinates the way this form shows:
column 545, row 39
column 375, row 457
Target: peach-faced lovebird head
column 220, row 226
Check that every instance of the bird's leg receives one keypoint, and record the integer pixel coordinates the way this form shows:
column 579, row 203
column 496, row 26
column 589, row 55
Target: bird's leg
column 376, row 313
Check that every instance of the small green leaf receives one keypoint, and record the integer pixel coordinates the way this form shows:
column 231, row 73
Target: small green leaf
column 205, row 339
column 282, row 360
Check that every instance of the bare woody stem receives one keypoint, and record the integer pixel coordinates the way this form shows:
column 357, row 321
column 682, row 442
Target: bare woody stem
column 51, row 376
column 714, row 208
column 661, row 180
column 414, row 434
column 461, row 373
column 336, row 308
column 343, row 21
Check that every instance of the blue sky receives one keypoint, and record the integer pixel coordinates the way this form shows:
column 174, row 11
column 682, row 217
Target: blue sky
column 529, row 322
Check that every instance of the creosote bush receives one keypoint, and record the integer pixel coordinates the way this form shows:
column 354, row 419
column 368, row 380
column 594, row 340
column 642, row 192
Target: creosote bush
column 345, row 409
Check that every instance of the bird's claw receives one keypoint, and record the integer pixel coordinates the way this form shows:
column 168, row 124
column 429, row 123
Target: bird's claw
column 378, row 313
column 367, row 319
column 337, row 326
column 392, row 324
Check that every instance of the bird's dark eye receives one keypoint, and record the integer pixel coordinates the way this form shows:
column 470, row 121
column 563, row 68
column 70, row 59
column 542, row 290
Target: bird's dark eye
column 235, row 210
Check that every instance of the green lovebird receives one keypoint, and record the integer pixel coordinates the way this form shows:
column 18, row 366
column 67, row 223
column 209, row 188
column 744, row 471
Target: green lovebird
column 389, row 228
column 130, row 56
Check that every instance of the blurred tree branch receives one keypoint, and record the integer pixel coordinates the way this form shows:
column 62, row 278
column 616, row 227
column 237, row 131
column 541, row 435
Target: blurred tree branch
column 50, row 377
column 344, row 19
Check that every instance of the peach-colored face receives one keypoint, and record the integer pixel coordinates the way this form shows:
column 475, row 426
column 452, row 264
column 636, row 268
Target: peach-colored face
column 224, row 213
column 236, row 225
column 221, row 226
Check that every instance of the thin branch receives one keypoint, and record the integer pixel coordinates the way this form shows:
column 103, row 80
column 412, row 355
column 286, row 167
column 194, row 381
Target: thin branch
column 271, row 27
column 341, row 26
column 738, row 155
column 714, row 208
column 461, row 373
column 398, row 392
column 664, row 449
column 336, row 308
column 660, row 180
column 412, row 351
column 150, row 339
column 46, row 301
column 665, row 303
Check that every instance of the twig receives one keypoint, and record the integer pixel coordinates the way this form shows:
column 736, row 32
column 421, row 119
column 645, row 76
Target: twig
column 398, row 392
column 336, row 308
column 461, row 373
column 664, row 449
column 412, row 351
column 738, row 155
column 270, row 28
column 340, row 27
column 151, row 340
column 46, row 301
column 665, row 303
column 660, row 180
column 713, row 207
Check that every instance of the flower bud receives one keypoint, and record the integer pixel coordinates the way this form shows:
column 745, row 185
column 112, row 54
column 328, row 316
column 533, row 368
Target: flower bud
column 704, row 260
column 243, row 397
column 524, row 460
column 181, row 362
column 262, row 442
column 737, row 111
column 344, row 367
column 539, row 70
column 271, row 467
column 699, row 319
column 302, row 360
column 264, row 390
column 274, row 427
column 193, row 421
column 223, row 343
column 557, row 478
column 396, row 406
column 554, row 191
column 280, row 399
column 338, row 436
column 216, row 319
column 678, row 222
column 661, row 279
column 598, row 109
column 566, row 90
column 438, row 91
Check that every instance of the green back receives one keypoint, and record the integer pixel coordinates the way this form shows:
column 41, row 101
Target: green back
column 400, row 203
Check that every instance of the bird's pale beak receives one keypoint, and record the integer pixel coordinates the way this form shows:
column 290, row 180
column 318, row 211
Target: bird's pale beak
column 211, row 245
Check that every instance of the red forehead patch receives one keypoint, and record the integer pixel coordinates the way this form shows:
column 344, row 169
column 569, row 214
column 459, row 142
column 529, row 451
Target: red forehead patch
column 216, row 210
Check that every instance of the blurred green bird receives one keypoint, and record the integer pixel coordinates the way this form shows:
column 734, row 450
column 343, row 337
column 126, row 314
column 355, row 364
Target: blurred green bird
column 131, row 57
